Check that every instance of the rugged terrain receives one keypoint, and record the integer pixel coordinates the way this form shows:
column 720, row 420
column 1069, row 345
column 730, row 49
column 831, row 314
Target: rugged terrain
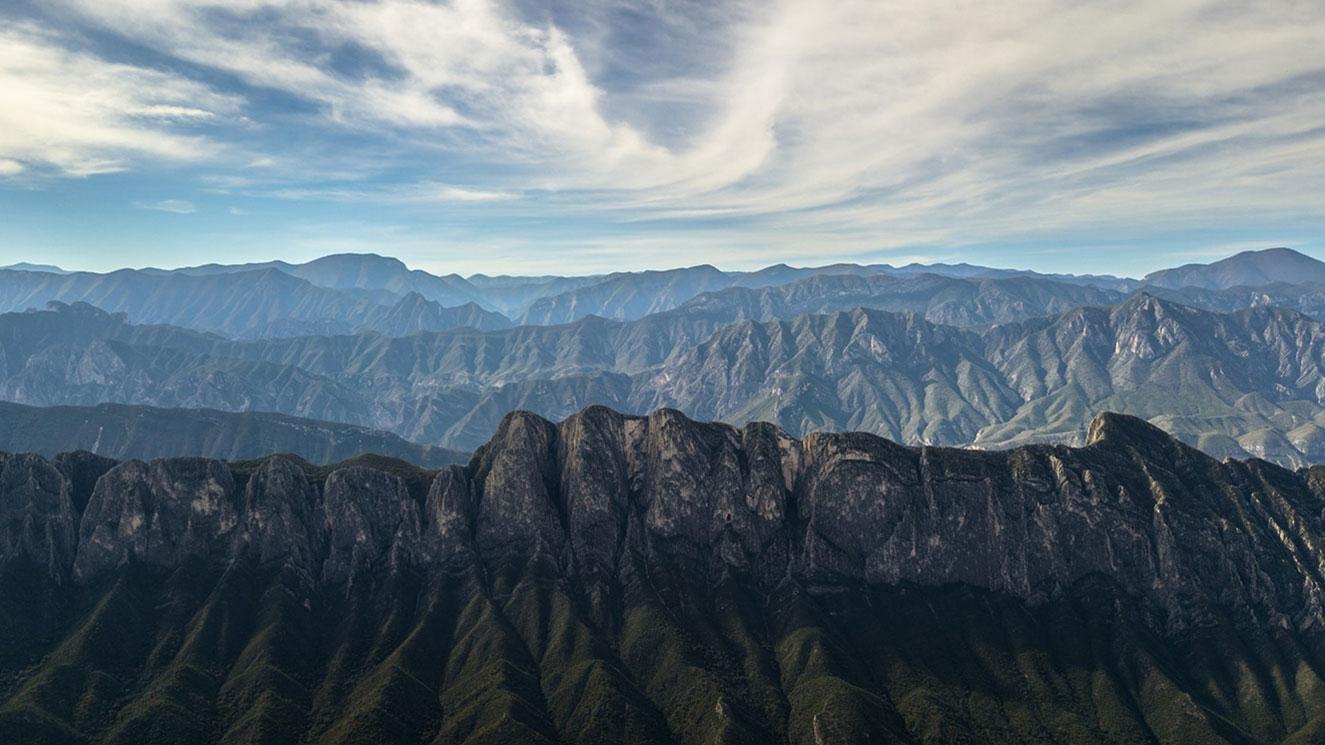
column 1249, row 382
column 653, row 579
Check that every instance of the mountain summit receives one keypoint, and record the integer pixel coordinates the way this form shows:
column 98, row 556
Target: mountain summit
column 1247, row 269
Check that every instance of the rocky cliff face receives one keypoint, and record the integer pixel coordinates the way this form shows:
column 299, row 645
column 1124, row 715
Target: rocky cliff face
column 37, row 517
column 602, row 492
column 837, row 510
column 689, row 578
column 160, row 513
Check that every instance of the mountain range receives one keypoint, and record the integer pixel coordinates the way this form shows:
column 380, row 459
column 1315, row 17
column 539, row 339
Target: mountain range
column 238, row 504
column 657, row 580
column 351, row 293
column 1223, row 355
column 248, row 304
column 1249, row 382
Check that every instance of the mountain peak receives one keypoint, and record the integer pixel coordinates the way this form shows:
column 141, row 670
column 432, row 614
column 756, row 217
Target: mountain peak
column 27, row 266
column 1115, row 431
column 1274, row 250
column 1110, row 427
column 358, row 259
column 1148, row 308
column 1245, row 269
column 1144, row 301
column 412, row 299
column 80, row 309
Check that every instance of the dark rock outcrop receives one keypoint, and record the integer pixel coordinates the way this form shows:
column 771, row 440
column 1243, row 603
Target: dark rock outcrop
column 371, row 524
column 836, row 510
column 281, row 521
column 602, row 495
column 618, row 578
column 158, row 513
column 37, row 517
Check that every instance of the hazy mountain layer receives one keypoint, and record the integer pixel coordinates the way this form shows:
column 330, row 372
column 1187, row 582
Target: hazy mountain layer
column 631, row 295
column 959, row 294
column 1249, row 382
column 508, row 295
column 615, row 579
column 355, row 271
column 349, row 293
column 1246, row 269
column 621, row 295
column 247, row 305
column 947, row 300
column 121, row 431
column 1306, row 298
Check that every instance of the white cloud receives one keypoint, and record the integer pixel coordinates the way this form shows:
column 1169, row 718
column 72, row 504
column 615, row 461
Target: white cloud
column 176, row 206
column 444, row 193
column 856, row 122
column 77, row 115
column 10, row 167
column 421, row 193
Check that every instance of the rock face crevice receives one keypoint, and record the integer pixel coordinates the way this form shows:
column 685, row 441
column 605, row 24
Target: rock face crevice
column 602, row 496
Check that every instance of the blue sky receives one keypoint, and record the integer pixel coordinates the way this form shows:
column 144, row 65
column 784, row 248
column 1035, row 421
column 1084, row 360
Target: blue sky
column 590, row 136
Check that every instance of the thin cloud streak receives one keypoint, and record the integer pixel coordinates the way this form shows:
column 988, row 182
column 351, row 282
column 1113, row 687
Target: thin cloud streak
column 422, row 193
column 69, row 113
column 175, row 206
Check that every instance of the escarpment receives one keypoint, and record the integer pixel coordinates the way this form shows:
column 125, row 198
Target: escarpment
column 620, row 578
column 602, row 494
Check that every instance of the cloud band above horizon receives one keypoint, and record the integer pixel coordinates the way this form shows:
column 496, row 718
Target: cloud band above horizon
column 598, row 134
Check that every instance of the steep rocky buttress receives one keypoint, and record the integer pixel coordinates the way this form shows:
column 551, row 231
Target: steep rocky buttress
column 658, row 579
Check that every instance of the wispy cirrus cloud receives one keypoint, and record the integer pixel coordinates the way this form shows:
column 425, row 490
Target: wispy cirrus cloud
column 176, row 206
column 857, row 124
column 70, row 113
column 414, row 193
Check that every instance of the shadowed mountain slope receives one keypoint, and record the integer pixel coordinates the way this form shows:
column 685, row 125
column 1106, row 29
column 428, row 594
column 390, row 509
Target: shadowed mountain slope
column 653, row 579
column 145, row 432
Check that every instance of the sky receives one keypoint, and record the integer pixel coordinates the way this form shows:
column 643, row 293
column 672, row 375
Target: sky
column 578, row 137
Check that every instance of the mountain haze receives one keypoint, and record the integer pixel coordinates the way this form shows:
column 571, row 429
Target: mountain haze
column 338, row 284
column 1249, row 382
column 144, row 432
column 953, row 356
column 941, row 299
column 258, row 303
column 1246, row 269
